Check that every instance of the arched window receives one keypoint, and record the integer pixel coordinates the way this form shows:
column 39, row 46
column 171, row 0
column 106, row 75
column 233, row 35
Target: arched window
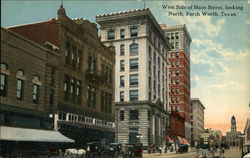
column 20, row 85
column 133, row 49
column 35, row 89
column 3, row 79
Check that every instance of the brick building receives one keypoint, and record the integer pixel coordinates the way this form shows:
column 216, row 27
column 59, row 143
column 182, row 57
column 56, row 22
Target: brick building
column 28, row 93
column 86, row 76
column 179, row 75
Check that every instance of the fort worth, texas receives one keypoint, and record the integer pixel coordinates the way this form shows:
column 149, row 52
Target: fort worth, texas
column 118, row 86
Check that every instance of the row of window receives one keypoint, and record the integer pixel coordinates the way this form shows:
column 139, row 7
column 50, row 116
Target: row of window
column 112, row 33
column 157, row 45
column 133, row 64
column 73, row 56
column 175, row 72
column 133, row 49
column 172, row 36
column 175, row 81
column 175, row 90
column 174, row 55
column 133, row 95
column 175, row 99
column 175, row 63
column 72, row 90
column 20, row 82
column 175, row 45
column 175, row 108
column 133, row 78
column 106, row 102
column 133, row 115
column 76, row 118
column 107, row 74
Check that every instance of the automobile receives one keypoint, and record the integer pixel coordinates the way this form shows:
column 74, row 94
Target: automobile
column 133, row 150
column 207, row 151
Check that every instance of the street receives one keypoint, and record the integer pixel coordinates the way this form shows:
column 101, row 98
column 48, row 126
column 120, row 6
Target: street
column 231, row 153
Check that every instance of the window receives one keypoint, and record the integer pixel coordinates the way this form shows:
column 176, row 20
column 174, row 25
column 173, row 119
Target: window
column 133, row 31
column 177, row 63
column 172, row 45
column 168, row 36
column 111, row 34
column 154, row 86
column 67, row 53
column 122, row 33
column 79, row 60
column 149, row 53
column 122, row 81
column 172, row 35
column 177, row 108
column 177, row 72
column 149, row 95
column 172, row 99
column 72, row 90
column 91, row 96
column 149, row 67
column 122, row 65
column 122, row 49
column 149, row 115
column 177, row 45
column 149, row 82
column 134, row 64
column 177, row 81
column 102, row 101
column 154, row 58
column 177, row 35
column 91, row 64
column 134, row 80
column 20, row 85
column 172, row 81
column 134, row 49
column 35, row 91
column 177, row 54
column 159, row 62
column 133, row 95
column 121, row 115
column 177, row 91
column 133, row 114
column 78, row 92
column 177, row 99
column 172, row 90
column 3, row 78
column 121, row 96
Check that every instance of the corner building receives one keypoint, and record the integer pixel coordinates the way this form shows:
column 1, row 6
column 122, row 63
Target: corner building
column 140, row 73
column 179, row 75
column 86, row 76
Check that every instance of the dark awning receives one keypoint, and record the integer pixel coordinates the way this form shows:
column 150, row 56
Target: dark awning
column 27, row 134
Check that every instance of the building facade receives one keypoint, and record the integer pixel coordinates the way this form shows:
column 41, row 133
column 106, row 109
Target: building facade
column 247, row 131
column 85, row 91
column 25, row 93
column 197, row 120
column 211, row 137
column 141, row 75
column 179, row 74
column 233, row 137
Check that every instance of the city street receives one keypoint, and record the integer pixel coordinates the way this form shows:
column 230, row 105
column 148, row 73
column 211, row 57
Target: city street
column 232, row 153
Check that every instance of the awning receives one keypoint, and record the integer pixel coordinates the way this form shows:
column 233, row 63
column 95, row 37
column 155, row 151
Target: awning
column 180, row 140
column 27, row 134
column 169, row 139
column 186, row 141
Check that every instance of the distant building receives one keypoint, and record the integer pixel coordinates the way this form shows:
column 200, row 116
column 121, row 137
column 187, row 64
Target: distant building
column 211, row 137
column 179, row 74
column 197, row 120
column 247, row 130
column 85, row 91
column 232, row 137
column 141, row 75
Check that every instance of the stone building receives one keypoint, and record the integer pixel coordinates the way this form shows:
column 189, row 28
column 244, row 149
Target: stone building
column 211, row 137
column 232, row 137
column 28, row 92
column 197, row 120
column 141, row 75
column 179, row 74
column 86, row 76
column 247, row 131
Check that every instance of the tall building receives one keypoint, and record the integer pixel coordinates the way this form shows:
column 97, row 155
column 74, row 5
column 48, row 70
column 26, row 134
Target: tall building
column 85, row 91
column 25, row 98
column 233, row 136
column 179, row 74
column 141, row 75
column 197, row 120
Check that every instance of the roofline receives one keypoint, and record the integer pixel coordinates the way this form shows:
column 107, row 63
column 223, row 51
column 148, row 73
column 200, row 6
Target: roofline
column 25, row 39
column 38, row 22
column 198, row 100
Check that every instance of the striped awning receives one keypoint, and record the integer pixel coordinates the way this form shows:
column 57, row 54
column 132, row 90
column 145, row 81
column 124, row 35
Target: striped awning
column 180, row 140
column 185, row 140
column 32, row 135
column 169, row 139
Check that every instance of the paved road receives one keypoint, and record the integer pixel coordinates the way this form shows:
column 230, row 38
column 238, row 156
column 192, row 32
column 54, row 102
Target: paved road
column 232, row 153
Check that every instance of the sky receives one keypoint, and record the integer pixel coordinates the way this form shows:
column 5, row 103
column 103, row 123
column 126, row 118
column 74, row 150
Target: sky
column 220, row 48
